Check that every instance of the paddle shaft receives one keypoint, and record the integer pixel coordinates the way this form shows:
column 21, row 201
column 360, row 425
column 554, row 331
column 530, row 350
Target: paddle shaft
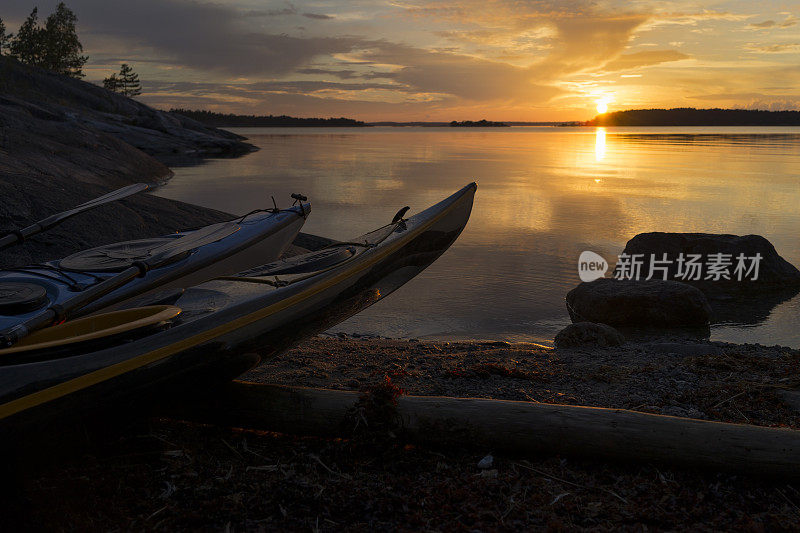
column 160, row 256
column 57, row 313
column 17, row 236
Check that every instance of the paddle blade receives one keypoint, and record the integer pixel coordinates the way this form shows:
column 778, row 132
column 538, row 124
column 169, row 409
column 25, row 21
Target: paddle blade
column 113, row 196
column 193, row 240
column 17, row 236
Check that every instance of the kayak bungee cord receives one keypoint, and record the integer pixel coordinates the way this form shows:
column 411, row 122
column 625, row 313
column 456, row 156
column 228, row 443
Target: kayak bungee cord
column 72, row 283
column 397, row 222
column 273, row 210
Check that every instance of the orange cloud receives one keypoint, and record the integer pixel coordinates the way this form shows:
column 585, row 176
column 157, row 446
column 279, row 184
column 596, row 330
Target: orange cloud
column 643, row 59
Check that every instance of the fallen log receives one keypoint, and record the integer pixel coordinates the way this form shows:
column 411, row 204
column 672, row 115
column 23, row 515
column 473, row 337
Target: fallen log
column 512, row 426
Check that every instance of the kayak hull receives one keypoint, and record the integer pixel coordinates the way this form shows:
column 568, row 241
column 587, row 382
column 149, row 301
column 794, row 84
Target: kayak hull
column 231, row 325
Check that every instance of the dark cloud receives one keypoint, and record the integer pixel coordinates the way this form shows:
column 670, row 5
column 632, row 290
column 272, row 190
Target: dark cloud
column 290, row 9
column 318, row 16
column 198, row 35
column 253, row 89
column 346, row 74
column 342, row 74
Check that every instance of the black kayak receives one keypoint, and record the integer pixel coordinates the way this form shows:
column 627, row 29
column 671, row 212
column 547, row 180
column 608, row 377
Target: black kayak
column 214, row 331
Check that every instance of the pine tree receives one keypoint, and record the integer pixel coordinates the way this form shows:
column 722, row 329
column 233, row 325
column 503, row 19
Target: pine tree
column 111, row 83
column 61, row 47
column 129, row 81
column 5, row 38
column 28, row 45
column 126, row 82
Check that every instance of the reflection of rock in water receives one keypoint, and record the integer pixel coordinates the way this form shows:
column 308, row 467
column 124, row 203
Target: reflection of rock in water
column 747, row 307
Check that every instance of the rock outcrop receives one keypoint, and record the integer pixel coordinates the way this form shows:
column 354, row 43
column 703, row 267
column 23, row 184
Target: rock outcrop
column 85, row 106
column 773, row 271
column 663, row 304
column 588, row 334
column 64, row 141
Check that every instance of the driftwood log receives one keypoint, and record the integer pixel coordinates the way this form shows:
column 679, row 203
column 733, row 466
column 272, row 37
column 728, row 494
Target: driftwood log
column 512, row 426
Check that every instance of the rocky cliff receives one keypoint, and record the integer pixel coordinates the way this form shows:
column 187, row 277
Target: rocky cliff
column 64, row 141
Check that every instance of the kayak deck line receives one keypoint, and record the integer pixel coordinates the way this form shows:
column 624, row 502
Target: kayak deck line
column 277, row 282
column 92, row 378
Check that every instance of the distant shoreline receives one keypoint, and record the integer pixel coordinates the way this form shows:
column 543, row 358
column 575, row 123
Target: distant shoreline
column 693, row 117
column 229, row 120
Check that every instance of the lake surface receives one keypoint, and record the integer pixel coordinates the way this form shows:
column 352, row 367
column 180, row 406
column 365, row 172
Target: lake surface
column 545, row 194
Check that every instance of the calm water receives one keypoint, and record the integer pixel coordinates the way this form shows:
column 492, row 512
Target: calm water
column 545, row 195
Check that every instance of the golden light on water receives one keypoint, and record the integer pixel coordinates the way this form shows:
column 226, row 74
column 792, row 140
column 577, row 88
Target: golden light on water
column 600, row 144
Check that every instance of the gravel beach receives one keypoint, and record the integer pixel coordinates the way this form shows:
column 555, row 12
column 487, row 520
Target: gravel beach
column 172, row 475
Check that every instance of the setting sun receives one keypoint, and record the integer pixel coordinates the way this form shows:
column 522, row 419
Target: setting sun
column 602, row 107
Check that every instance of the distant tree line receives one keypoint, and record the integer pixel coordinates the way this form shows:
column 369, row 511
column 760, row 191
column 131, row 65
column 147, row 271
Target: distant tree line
column 211, row 118
column 688, row 116
column 55, row 46
column 477, row 124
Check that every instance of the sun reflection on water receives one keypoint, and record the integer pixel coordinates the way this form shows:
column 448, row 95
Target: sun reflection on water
column 600, row 144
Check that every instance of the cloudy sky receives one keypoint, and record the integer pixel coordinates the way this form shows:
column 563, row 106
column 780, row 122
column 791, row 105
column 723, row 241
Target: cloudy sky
column 537, row 60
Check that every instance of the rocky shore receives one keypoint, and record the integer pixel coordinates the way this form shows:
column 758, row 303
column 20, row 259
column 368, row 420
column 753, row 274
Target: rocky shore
column 64, row 141
column 170, row 475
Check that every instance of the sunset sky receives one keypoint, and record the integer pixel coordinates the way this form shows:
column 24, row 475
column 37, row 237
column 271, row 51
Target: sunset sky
column 443, row 60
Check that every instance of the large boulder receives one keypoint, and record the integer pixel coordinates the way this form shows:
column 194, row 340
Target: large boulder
column 588, row 334
column 773, row 270
column 638, row 303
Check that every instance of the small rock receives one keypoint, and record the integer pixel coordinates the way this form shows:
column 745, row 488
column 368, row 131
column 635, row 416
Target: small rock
column 588, row 334
column 486, row 463
column 353, row 384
